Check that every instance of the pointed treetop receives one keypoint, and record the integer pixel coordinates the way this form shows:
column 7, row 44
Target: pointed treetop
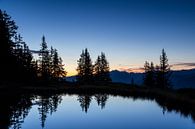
column 102, row 53
column 43, row 39
column 163, row 50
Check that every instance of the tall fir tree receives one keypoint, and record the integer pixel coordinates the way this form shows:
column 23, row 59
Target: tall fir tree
column 44, row 61
column 57, row 66
column 85, row 68
column 149, row 77
column 98, row 70
column 24, row 60
column 163, row 72
column 8, row 30
column 101, row 69
column 16, row 58
column 105, row 68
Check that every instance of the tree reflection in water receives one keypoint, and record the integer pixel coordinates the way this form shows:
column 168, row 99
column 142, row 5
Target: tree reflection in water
column 85, row 101
column 15, row 107
column 101, row 99
column 47, row 104
column 13, row 110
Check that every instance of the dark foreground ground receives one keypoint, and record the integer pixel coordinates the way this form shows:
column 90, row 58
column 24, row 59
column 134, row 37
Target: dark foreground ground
column 186, row 95
column 183, row 97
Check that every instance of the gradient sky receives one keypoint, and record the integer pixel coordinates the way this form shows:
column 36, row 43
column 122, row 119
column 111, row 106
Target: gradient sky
column 128, row 31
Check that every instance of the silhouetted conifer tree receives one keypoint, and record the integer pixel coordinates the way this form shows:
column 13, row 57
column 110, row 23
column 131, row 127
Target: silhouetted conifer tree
column 24, row 59
column 158, row 76
column 101, row 69
column 163, row 72
column 149, row 78
column 17, row 62
column 85, row 68
column 57, row 66
column 7, row 32
column 35, row 69
column 16, row 58
column 44, row 61
column 98, row 70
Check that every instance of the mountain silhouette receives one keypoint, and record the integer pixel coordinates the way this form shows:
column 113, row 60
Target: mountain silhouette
column 179, row 79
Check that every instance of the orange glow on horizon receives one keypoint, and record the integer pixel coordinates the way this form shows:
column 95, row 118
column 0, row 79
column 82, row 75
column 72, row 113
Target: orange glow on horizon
column 182, row 67
column 134, row 69
column 71, row 73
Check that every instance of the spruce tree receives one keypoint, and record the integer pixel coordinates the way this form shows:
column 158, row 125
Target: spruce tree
column 44, row 61
column 101, row 69
column 57, row 66
column 163, row 73
column 16, row 58
column 105, row 68
column 8, row 30
column 85, row 68
column 97, row 70
column 24, row 60
column 149, row 78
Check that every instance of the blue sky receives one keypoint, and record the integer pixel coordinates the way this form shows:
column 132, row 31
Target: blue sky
column 128, row 31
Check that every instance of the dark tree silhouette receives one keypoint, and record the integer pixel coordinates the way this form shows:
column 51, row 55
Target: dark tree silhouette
column 85, row 68
column 24, row 60
column 48, row 104
column 158, row 76
column 7, row 32
column 97, row 69
column 16, row 58
column 101, row 99
column 101, row 69
column 85, row 101
column 50, row 64
column 44, row 61
column 163, row 72
column 14, row 109
column 43, row 109
column 149, row 78
column 57, row 66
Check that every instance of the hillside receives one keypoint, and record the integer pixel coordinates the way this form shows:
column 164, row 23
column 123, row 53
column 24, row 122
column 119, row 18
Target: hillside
column 179, row 79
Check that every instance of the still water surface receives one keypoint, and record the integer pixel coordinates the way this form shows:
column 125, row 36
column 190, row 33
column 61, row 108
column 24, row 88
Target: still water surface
column 95, row 112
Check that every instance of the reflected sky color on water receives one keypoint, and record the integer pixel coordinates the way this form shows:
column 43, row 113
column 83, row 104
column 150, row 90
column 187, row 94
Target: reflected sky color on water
column 118, row 113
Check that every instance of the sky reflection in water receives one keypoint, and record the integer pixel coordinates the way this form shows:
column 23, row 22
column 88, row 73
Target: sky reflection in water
column 118, row 113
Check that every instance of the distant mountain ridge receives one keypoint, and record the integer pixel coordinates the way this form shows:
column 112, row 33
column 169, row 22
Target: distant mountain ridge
column 179, row 79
